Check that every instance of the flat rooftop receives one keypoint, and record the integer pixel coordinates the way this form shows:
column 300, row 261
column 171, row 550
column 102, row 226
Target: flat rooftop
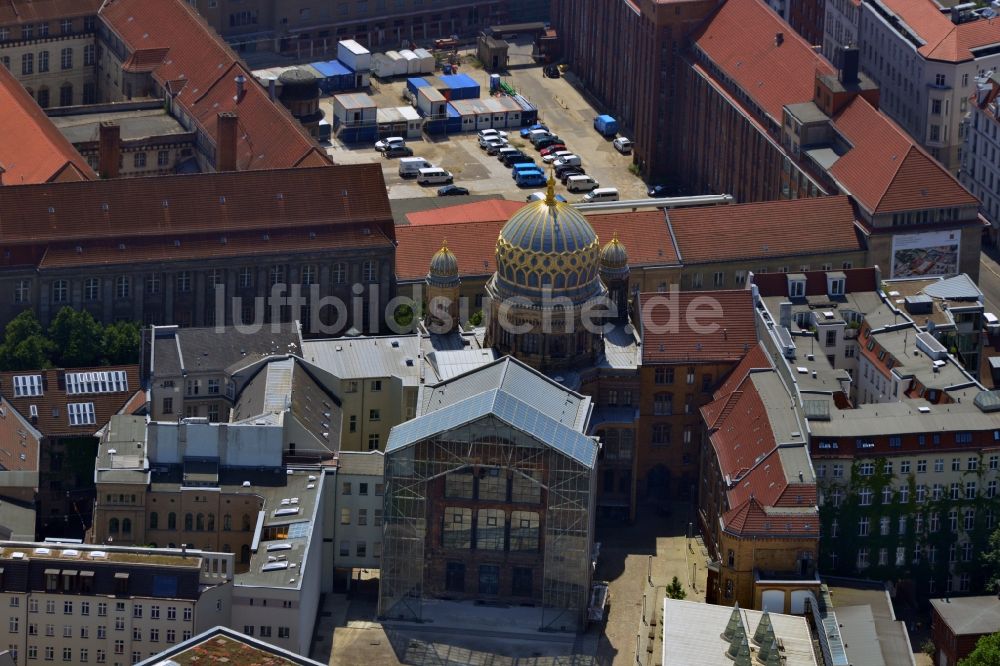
column 135, row 125
column 872, row 634
column 161, row 557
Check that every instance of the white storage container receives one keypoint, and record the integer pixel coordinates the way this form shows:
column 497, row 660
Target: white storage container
column 354, row 55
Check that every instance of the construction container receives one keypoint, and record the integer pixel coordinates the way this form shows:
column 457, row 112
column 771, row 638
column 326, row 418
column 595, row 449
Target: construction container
column 382, row 66
column 401, row 121
column 427, row 61
column 398, row 63
column 355, row 56
column 334, row 76
column 414, row 83
column 431, row 103
column 529, row 112
column 462, row 86
column 412, row 61
column 354, row 110
column 454, row 122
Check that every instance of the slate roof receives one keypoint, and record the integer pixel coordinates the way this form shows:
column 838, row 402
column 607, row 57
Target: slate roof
column 33, row 150
column 681, row 333
column 816, row 225
column 179, row 350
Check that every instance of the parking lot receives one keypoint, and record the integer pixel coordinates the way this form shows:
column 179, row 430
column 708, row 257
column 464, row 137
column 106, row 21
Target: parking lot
column 560, row 107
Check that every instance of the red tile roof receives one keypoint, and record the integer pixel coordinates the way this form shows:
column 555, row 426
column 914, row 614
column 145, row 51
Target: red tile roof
column 885, row 170
column 751, row 518
column 856, row 280
column 702, row 326
column 16, row 12
column 214, row 246
column 53, row 415
column 740, row 39
column 178, row 206
column 797, row 227
column 489, row 210
column 756, row 358
column 17, row 438
column 32, row 149
column 745, row 435
column 192, row 53
column 943, row 40
column 644, row 234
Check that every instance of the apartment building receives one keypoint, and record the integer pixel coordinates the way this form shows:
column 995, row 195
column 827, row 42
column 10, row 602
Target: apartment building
column 840, row 28
column 304, row 28
column 108, row 604
column 902, row 438
column 67, row 408
column 50, row 47
column 980, row 165
column 628, row 54
column 359, row 497
column 925, row 62
column 681, row 367
column 191, row 369
column 378, row 379
column 20, row 449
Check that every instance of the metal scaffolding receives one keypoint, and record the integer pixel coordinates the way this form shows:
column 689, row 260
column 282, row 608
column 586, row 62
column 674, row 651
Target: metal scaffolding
column 565, row 484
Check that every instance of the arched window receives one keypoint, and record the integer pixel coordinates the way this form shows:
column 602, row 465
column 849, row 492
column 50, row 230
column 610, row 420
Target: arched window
column 154, row 521
column 188, row 522
column 245, row 554
column 199, row 523
column 171, row 521
column 211, row 522
column 227, row 522
column 246, row 522
column 113, row 526
column 127, row 526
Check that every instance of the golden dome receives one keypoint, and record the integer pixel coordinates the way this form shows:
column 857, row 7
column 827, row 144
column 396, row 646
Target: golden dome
column 444, row 264
column 614, row 258
column 548, row 244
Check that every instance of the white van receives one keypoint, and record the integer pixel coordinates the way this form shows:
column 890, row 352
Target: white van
column 581, row 184
column 433, row 176
column 411, row 166
column 992, row 323
column 568, row 160
column 601, row 194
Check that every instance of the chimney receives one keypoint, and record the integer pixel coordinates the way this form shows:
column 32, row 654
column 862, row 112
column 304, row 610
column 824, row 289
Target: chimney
column 272, row 89
column 225, row 141
column 785, row 315
column 109, row 149
column 241, row 82
column 779, row 38
column 849, row 60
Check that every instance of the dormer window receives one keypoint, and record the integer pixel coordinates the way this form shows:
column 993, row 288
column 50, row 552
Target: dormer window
column 796, row 285
column 835, row 284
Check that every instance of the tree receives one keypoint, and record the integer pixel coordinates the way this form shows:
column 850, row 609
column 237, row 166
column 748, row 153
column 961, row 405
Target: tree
column 675, row 590
column 992, row 559
column 120, row 344
column 987, row 652
column 24, row 346
column 76, row 337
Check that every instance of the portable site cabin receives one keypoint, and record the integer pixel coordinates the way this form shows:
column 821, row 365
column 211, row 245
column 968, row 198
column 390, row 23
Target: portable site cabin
column 415, row 83
column 460, row 86
column 412, row 61
column 398, row 63
column 355, row 56
column 355, row 117
column 431, row 103
column 401, row 121
column 427, row 61
column 529, row 112
column 334, row 76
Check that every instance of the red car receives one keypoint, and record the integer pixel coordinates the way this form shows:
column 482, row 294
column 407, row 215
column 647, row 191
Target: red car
column 552, row 149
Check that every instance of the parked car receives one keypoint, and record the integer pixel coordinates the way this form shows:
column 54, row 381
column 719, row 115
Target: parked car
column 551, row 71
column 494, row 147
column 530, row 178
column 547, row 141
column 562, row 173
column 559, row 154
column 528, row 130
column 507, row 150
column 537, row 134
column 658, row 191
column 411, row 166
column 497, row 144
column 552, row 149
column 521, row 158
column 491, row 134
column 397, row 151
column 623, row 145
column 568, row 160
column 452, row 191
column 601, row 194
column 540, row 196
column 434, row 176
column 581, row 183
column 389, row 141
column 523, row 166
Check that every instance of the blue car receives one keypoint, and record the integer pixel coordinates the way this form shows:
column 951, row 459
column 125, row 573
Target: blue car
column 530, row 178
column 522, row 167
column 527, row 130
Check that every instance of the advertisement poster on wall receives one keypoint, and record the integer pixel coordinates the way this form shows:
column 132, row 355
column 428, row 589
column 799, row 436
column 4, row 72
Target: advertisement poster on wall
column 928, row 253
